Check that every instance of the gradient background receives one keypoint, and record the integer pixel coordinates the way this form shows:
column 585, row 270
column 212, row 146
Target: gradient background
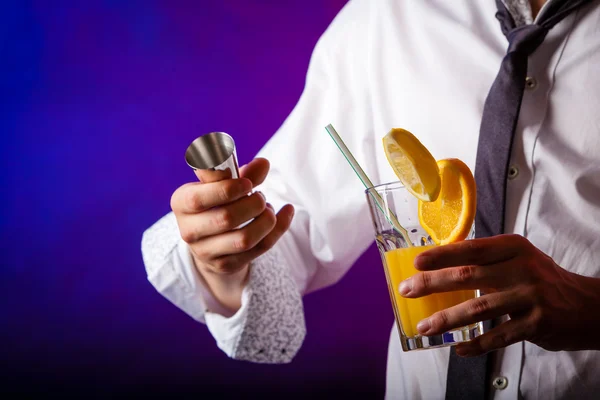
column 99, row 100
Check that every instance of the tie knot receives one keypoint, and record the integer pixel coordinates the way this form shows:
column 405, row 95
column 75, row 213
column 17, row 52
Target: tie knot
column 526, row 38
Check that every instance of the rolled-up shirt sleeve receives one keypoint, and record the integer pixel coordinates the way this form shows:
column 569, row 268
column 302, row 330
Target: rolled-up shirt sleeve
column 167, row 267
column 268, row 328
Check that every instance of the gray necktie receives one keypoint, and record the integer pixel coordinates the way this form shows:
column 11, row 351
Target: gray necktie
column 467, row 377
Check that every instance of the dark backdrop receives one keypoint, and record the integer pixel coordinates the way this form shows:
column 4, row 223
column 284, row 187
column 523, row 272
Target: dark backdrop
column 99, row 100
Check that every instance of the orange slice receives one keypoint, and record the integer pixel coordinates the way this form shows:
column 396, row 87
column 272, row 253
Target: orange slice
column 413, row 164
column 450, row 217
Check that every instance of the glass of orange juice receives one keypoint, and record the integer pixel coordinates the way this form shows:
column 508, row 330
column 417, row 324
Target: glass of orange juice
column 398, row 261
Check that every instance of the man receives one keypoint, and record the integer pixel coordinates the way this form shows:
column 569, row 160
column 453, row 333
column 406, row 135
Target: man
column 426, row 66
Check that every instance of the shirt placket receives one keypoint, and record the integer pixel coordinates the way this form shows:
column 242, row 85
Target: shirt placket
column 506, row 374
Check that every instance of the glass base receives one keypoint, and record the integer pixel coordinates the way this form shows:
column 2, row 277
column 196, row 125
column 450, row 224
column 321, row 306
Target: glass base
column 450, row 338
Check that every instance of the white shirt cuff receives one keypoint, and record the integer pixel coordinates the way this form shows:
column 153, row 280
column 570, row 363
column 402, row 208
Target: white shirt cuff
column 269, row 327
column 167, row 267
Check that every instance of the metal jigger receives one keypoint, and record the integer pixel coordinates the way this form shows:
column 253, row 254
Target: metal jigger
column 210, row 155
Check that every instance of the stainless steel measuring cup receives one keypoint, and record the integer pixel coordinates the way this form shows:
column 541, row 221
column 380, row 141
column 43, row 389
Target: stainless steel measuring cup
column 211, row 153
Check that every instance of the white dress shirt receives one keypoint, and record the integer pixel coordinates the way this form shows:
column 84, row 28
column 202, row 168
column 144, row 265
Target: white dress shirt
column 425, row 66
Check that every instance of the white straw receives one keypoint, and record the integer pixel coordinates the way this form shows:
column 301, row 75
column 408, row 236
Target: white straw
column 367, row 182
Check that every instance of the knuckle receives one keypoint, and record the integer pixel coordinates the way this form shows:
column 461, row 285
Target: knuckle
column 536, row 317
column 200, row 252
column 464, row 274
column 518, row 240
column 242, row 242
column 224, row 219
column 479, row 306
column 531, row 263
column 271, row 219
column 222, row 265
column 439, row 320
column 224, row 192
column 472, row 244
column 530, row 272
column 537, row 295
column 178, row 198
column 187, row 235
column 501, row 339
column 232, row 189
column 530, row 293
column 422, row 281
column 192, row 200
column 261, row 202
column 269, row 240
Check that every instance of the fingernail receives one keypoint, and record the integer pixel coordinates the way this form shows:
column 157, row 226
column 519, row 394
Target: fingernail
column 405, row 286
column 270, row 206
column 424, row 326
column 262, row 195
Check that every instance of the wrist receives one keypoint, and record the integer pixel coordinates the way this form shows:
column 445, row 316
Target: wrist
column 225, row 288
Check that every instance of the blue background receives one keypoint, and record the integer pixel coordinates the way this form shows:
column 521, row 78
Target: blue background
column 99, row 100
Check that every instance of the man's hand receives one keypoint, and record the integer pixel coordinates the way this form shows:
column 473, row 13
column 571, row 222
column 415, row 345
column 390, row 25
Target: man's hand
column 209, row 214
column 547, row 305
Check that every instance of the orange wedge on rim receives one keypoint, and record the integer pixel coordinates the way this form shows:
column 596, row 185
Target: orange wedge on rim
column 450, row 217
column 412, row 163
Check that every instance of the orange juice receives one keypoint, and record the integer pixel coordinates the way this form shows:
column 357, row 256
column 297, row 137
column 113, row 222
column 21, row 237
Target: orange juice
column 400, row 265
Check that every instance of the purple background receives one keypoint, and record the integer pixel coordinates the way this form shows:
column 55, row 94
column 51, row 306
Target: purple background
column 99, row 100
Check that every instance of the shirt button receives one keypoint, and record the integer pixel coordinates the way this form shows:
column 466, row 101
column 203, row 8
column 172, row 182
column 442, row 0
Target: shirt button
column 513, row 172
column 500, row 383
column 530, row 83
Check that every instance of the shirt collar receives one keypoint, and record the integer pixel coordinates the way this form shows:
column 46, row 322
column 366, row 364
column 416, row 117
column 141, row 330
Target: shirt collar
column 520, row 10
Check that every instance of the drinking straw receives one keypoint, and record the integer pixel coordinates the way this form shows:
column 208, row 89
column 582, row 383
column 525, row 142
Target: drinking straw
column 391, row 217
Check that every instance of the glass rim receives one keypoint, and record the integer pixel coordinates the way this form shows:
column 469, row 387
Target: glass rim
column 394, row 185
